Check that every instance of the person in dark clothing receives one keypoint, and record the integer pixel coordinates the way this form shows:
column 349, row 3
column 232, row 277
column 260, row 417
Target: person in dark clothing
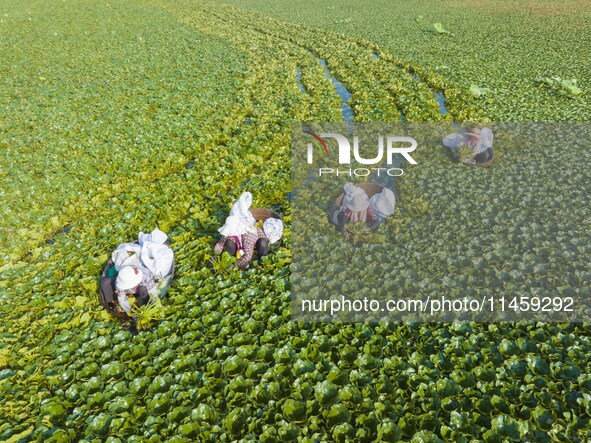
column 243, row 246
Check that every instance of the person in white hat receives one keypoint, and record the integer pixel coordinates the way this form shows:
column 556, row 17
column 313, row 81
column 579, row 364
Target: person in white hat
column 353, row 208
column 357, row 206
column 134, row 281
column 480, row 141
column 381, row 205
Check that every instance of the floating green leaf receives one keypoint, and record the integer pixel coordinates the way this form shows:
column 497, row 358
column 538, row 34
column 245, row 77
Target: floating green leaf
column 440, row 29
column 479, row 91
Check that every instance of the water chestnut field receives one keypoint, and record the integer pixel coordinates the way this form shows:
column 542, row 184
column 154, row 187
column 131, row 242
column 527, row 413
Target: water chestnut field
column 119, row 116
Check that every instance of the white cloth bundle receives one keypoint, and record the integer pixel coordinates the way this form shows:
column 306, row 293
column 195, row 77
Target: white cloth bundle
column 158, row 258
column 233, row 226
column 240, row 221
column 151, row 253
column 126, row 254
column 241, row 210
column 273, row 228
column 383, row 203
column 156, row 236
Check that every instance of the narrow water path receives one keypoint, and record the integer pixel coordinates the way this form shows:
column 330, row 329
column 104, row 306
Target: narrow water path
column 299, row 80
column 347, row 111
column 440, row 99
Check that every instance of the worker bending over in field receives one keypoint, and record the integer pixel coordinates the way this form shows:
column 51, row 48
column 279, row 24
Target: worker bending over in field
column 241, row 237
column 131, row 281
column 473, row 147
column 354, row 207
column 240, row 241
column 357, row 206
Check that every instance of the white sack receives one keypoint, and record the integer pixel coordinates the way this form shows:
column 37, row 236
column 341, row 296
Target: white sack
column 383, row 203
column 273, row 228
column 158, row 258
column 126, row 254
column 156, row 236
column 240, row 221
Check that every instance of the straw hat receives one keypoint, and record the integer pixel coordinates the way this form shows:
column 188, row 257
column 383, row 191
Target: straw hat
column 128, row 277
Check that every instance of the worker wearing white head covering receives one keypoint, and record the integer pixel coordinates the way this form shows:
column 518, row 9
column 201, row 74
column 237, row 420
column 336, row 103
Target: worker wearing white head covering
column 353, row 207
column 137, row 281
column 240, row 236
column 240, row 221
column 382, row 204
column 232, row 226
column 356, row 201
column 479, row 140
